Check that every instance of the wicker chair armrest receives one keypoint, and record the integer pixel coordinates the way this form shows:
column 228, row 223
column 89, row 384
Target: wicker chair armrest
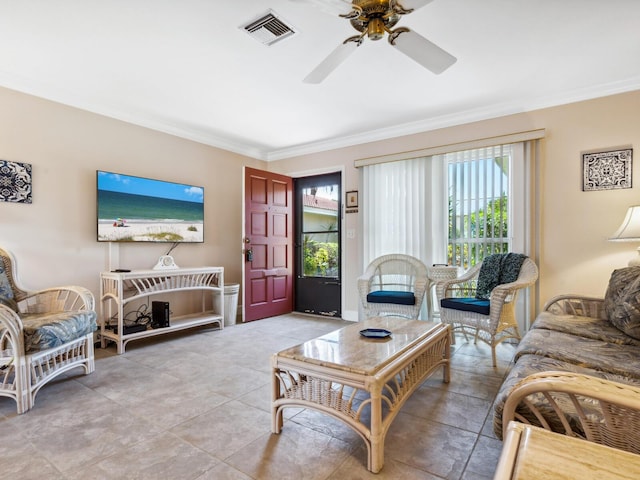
column 421, row 286
column 587, row 407
column 444, row 287
column 501, row 292
column 11, row 336
column 10, row 320
column 574, row 304
column 363, row 287
column 57, row 299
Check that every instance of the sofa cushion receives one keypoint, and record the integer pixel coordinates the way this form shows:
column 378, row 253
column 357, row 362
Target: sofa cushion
column 624, row 313
column 392, row 296
column 588, row 327
column 467, row 304
column 48, row 330
column 585, row 352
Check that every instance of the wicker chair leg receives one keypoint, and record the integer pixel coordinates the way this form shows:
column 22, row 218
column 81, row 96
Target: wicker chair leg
column 475, row 337
column 493, row 353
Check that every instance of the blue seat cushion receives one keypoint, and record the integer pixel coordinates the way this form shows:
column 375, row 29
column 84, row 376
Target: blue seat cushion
column 48, row 330
column 467, row 305
column 392, row 296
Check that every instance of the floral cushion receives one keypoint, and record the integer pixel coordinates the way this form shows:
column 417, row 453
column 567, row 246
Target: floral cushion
column 43, row 331
column 6, row 292
column 623, row 303
column 584, row 352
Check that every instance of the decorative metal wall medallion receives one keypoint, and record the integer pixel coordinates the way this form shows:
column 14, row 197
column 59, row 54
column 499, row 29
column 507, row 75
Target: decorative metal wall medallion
column 15, row 182
column 607, row 170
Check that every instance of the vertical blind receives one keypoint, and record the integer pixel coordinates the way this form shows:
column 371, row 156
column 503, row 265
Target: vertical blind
column 403, row 205
column 479, row 203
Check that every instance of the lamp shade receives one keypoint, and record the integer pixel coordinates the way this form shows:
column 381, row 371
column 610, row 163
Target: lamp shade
column 629, row 230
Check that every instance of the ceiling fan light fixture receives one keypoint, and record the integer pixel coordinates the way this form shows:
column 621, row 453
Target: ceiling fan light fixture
column 375, row 29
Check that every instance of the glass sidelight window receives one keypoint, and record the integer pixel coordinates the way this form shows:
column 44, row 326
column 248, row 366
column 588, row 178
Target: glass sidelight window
column 319, row 231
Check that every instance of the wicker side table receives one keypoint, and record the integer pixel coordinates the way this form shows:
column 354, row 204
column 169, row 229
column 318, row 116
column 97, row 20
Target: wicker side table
column 531, row 453
column 438, row 273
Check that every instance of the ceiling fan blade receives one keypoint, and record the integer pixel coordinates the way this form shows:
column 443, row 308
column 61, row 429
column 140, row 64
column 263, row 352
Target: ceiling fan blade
column 332, row 62
column 418, row 48
column 412, row 4
column 332, row 7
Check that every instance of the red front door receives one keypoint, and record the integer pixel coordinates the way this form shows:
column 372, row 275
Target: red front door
column 268, row 237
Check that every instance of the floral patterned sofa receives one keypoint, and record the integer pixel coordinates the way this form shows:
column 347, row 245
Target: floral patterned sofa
column 577, row 370
column 42, row 334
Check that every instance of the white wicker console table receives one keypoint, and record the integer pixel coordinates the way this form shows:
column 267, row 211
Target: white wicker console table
column 353, row 378
column 117, row 289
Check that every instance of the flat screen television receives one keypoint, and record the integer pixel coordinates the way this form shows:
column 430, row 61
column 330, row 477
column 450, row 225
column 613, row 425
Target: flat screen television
column 137, row 209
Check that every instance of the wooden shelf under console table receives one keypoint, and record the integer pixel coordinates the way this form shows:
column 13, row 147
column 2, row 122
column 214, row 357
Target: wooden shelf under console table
column 118, row 289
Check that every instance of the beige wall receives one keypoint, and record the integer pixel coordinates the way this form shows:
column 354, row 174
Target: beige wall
column 54, row 238
column 574, row 255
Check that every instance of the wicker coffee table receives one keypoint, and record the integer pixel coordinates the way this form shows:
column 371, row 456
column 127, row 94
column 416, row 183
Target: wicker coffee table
column 358, row 380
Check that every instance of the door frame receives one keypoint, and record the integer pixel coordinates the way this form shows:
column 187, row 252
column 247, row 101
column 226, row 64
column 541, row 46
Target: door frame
column 304, row 173
column 315, row 282
column 324, row 171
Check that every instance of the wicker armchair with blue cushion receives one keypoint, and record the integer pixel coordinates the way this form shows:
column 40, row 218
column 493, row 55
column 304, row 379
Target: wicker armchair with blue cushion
column 482, row 300
column 42, row 334
column 393, row 284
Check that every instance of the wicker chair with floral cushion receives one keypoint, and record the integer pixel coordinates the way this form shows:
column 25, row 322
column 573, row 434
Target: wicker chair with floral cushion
column 393, row 284
column 482, row 301
column 42, row 334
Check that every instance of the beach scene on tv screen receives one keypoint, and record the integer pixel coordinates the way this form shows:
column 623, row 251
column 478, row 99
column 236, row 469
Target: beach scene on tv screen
column 136, row 209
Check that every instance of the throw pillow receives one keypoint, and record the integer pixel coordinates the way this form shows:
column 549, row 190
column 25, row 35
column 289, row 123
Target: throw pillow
column 624, row 314
column 620, row 279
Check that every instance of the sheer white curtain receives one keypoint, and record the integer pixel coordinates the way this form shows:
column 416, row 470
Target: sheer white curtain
column 404, row 209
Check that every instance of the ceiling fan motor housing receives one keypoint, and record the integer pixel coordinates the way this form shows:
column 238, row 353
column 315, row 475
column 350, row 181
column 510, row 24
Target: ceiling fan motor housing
column 376, row 17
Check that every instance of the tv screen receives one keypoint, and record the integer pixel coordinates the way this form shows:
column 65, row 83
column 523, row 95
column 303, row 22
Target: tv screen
column 136, row 209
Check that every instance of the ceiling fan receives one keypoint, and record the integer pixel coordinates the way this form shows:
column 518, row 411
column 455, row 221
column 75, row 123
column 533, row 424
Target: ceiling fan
column 374, row 19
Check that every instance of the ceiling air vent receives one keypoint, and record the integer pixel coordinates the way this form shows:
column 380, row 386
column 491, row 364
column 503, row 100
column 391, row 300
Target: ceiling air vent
column 269, row 28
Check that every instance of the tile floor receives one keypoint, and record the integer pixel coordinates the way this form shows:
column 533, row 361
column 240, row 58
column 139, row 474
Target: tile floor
column 196, row 406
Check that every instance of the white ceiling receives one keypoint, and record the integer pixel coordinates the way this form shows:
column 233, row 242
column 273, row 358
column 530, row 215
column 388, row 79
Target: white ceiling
column 185, row 67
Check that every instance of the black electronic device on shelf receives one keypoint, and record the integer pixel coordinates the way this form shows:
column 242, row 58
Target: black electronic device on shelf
column 159, row 314
column 131, row 328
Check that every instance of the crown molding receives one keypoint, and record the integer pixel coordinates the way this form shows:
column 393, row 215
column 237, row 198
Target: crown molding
column 262, row 152
column 459, row 118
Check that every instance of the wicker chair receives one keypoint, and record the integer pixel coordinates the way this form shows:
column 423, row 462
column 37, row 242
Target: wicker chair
column 393, row 285
column 42, row 334
column 493, row 321
column 577, row 405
